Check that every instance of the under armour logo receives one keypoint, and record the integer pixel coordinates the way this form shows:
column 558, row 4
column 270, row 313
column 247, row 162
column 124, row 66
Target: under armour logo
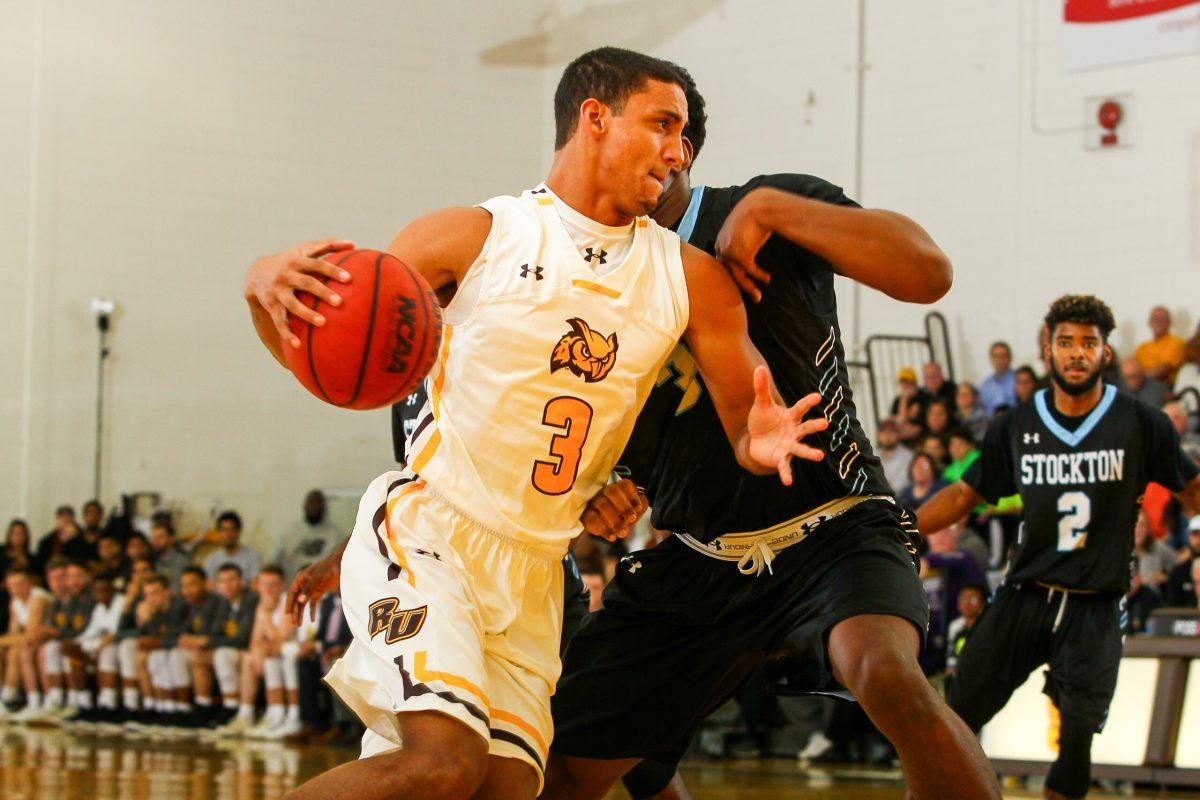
column 1032, row 438
column 634, row 566
column 427, row 553
column 601, row 256
column 538, row 191
column 536, row 271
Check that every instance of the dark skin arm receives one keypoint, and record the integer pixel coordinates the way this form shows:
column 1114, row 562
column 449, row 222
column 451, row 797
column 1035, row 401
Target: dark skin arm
column 312, row 583
column 947, row 507
column 881, row 249
column 1190, row 496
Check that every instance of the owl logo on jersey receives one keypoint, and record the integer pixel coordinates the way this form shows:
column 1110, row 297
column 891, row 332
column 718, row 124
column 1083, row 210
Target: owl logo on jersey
column 586, row 353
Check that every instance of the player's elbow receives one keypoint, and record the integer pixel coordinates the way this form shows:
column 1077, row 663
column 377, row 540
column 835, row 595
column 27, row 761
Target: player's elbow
column 933, row 277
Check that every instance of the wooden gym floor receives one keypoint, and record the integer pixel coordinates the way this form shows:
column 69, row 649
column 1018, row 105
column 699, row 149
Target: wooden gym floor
column 55, row 765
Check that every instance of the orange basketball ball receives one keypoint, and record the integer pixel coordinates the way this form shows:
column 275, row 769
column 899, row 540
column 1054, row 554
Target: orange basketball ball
column 378, row 344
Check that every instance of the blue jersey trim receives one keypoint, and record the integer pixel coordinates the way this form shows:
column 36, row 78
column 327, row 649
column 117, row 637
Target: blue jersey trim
column 688, row 224
column 1093, row 419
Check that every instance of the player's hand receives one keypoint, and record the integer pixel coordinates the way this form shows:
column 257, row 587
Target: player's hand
column 310, row 586
column 272, row 283
column 612, row 513
column 738, row 243
column 777, row 433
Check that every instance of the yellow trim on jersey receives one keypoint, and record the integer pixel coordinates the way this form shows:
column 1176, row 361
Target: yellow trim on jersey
column 641, row 223
column 435, row 403
column 513, row 719
column 449, row 678
column 595, row 287
column 545, row 201
column 397, row 551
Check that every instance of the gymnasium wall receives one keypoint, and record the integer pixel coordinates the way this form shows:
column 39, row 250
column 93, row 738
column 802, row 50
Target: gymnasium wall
column 972, row 128
column 150, row 151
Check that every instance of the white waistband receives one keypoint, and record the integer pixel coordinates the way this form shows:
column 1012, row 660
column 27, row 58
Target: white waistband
column 755, row 550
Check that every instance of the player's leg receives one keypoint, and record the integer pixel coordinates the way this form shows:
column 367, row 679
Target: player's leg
column 651, row 780
column 127, row 660
column 227, row 668
column 53, row 675
column 201, row 668
column 442, row 759
column 508, row 778
column 107, row 676
column 876, row 658
column 1084, row 660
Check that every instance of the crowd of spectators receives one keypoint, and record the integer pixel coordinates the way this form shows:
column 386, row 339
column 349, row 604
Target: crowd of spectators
column 112, row 629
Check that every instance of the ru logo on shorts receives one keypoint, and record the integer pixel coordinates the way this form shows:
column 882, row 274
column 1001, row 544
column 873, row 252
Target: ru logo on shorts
column 402, row 624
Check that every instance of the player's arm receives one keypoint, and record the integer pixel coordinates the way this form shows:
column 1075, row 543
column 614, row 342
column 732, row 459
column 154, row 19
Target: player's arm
column 312, row 582
column 1190, row 496
column 764, row 433
column 881, row 249
column 441, row 246
column 947, row 507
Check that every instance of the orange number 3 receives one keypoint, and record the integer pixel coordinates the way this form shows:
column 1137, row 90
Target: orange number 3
column 573, row 417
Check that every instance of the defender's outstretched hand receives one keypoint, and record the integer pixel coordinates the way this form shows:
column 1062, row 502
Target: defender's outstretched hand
column 310, row 586
column 777, row 432
column 272, row 283
column 612, row 513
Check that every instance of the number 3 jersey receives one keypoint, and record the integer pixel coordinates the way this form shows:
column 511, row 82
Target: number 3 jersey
column 544, row 368
column 1081, row 481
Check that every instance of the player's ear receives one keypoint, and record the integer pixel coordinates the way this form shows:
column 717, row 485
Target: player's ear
column 688, row 153
column 1108, row 356
column 593, row 117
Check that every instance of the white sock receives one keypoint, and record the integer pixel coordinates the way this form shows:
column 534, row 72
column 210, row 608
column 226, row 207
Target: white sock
column 229, row 701
column 108, row 698
column 293, row 714
column 54, row 698
column 131, row 698
column 245, row 711
column 83, row 699
column 274, row 715
column 8, row 694
column 203, row 700
column 34, row 701
column 180, row 707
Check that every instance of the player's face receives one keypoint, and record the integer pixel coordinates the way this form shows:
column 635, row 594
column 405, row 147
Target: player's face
column 137, row 548
column 18, row 585
column 102, row 590
column 76, row 579
column 56, row 580
column 192, row 587
column 229, row 584
column 1077, row 355
column 270, row 585
column 155, row 593
column 643, row 145
column 109, row 551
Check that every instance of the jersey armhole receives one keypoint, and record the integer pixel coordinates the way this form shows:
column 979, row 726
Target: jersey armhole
column 679, row 291
column 462, row 306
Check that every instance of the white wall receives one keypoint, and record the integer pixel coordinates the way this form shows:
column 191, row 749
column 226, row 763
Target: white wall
column 949, row 139
column 177, row 141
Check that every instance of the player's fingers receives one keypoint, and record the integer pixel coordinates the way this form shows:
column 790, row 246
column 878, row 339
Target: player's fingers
column 612, row 518
column 811, row 427
column 804, row 405
column 319, row 266
column 756, row 272
column 280, row 318
column 785, row 470
column 301, row 311
column 741, row 278
column 801, row 450
column 313, row 602
column 318, row 289
column 762, row 386
column 594, row 524
column 320, row 247
column 622, row 503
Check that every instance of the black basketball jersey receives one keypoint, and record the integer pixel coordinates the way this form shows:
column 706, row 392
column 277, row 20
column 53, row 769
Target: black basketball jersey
column 1081, row 482
column 678, row 451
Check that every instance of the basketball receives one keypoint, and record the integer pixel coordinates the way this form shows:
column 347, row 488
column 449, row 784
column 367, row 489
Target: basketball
column 378, row 344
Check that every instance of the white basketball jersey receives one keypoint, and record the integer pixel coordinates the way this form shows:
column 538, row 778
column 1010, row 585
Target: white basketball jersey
column 536, row 390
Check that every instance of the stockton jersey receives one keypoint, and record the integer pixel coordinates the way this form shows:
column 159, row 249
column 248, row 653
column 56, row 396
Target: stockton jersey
column 543, row 369
column 679, row 452
column 1081, row 481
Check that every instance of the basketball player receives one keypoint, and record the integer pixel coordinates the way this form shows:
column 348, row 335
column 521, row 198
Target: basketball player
column 1080, row 454
column 827, row 562
column 568, row 303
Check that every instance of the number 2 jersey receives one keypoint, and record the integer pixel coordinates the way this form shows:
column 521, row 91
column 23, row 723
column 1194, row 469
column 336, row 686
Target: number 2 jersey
column 1081, row 481
column 542, row 372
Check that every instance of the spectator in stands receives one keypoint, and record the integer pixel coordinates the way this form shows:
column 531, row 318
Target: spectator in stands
column 229, row 638
column 1148, row 390
column 128, row 631
column 93, row 522
column 28, row 604
column 65, row 540
column 17, row 553
column 895, row 456
column 936, row 386
column 169, row 558
column 190, row 657
column 934, row 446
column 1189, row 440
column 137, row 546
column 945, row 569
column 93, row 648
column 908, row 406
column 232, row 551
column 963, row 453
column 1026, row 383
column 1154, row 558
column 923, row 481
column 317, row 705
column 1180, row 590
column 1163, row 354
column 309, row 539
column 971, row 415
column 70, row 611
column 113, row 565
column 1189, row 374
column 972, row 597
column 938, row 420
column 160, row 615
column 999, row 388
column 1140, row 601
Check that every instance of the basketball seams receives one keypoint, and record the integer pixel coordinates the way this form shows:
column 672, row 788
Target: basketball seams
column 366, row 352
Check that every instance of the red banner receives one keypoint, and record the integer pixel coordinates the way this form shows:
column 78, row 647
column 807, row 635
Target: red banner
column 1113, row 10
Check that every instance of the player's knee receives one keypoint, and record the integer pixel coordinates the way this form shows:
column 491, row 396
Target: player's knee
column 453, row 775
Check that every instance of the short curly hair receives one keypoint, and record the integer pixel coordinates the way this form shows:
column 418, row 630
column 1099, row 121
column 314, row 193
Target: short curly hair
column 1083, row 309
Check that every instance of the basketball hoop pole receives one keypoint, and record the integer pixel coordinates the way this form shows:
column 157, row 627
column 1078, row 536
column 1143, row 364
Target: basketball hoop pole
column 102, row 324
